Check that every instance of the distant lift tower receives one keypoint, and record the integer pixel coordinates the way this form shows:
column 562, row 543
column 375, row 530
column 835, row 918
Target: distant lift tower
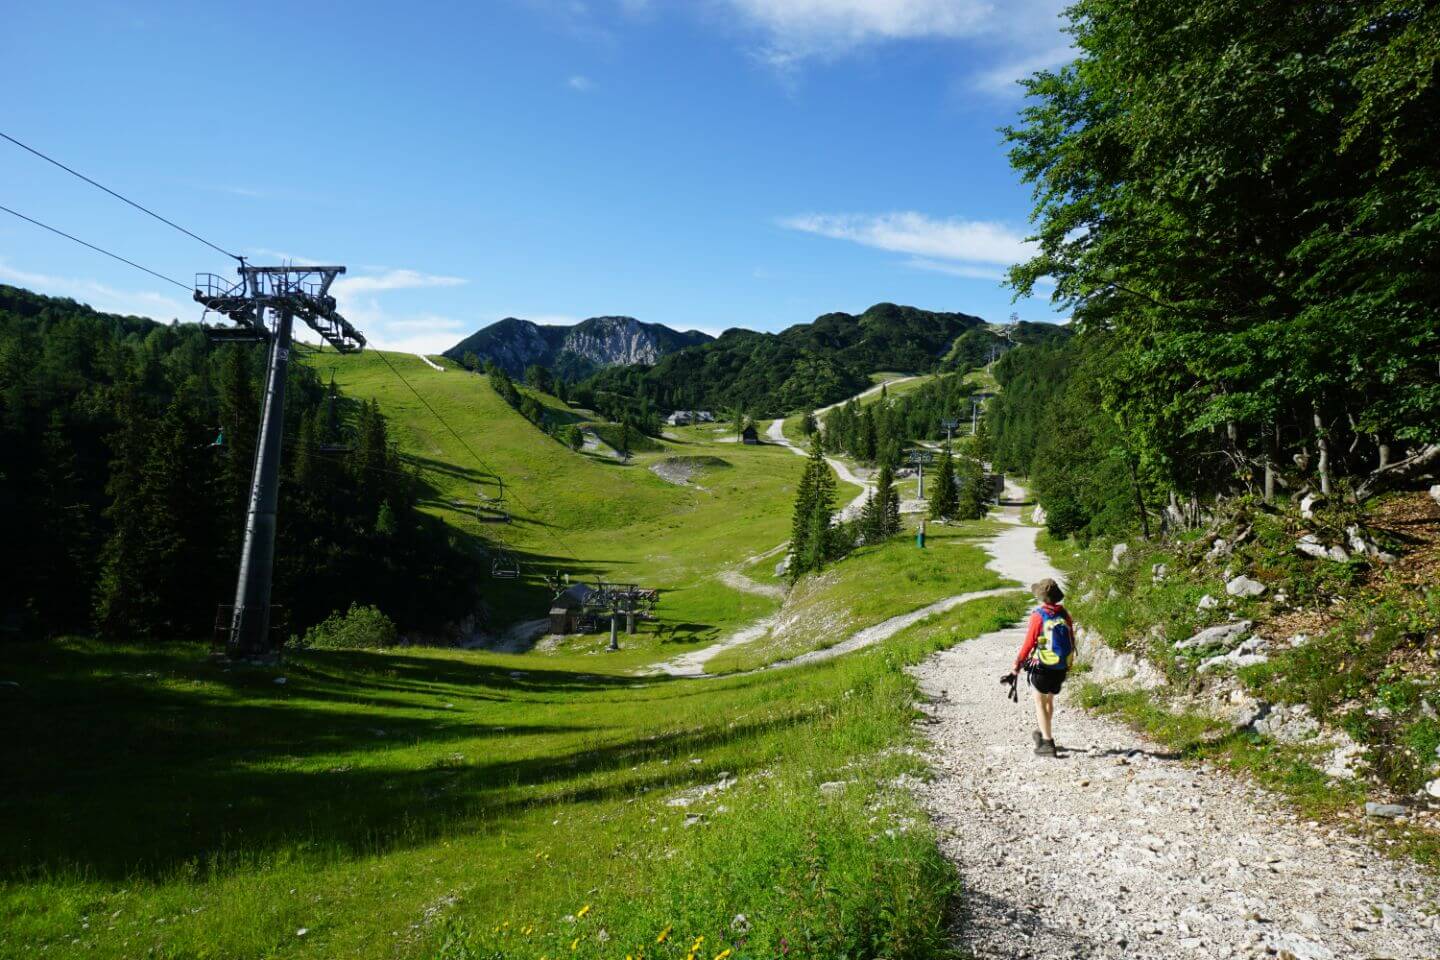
column 286, row 293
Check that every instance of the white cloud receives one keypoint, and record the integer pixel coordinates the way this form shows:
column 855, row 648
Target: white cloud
column 580, row 83
column 954, row 239
column 818, row 25
column 348, row 286
column 1005, row 40
column 957, row 269
column 1003, row 79
column 105, row 298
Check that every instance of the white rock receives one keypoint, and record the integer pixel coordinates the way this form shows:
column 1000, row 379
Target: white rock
column 1158, row 572
column 1299, row 947
column 1207, row 602
column 1243, row 586
column 1435, row 493
column 1117, row 554
column 1433, row 788
column 280, row 680
column 1387, row 811
column 1235, row 659
column 1220, row 635
column 1342, row 761
column 783, row 567
column 1308, row 504
column 1148, row 676
column 1311, row 546
column 1038, row 516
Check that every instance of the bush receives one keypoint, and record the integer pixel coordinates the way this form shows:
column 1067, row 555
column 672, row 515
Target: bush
column 360, row 628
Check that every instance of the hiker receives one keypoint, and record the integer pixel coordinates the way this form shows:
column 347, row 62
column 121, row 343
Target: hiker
column 1045, row 656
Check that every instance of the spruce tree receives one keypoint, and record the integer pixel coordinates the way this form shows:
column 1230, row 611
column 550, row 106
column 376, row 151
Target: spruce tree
column 943, row 499
column 888, row 503
column 870, row 518
column 974, row 499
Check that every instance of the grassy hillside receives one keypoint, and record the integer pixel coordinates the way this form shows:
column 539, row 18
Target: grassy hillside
column 585, row 514
column 453, row 804
column 871, row 585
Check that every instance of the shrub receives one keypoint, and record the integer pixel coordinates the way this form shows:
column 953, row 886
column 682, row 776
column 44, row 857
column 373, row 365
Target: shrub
column 359, row 628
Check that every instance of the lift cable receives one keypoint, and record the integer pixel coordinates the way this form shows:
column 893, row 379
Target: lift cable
column 101, row 186
column 483, row 465
column 83, row 243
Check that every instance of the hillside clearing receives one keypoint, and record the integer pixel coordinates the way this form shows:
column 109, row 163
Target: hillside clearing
column 389, row 804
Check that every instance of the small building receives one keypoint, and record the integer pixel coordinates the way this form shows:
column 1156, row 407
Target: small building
column 568, row 609
column 749, row 434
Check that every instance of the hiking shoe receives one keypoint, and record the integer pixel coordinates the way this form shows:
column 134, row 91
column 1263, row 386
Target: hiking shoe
column 1035, row 734
column 1045, row 748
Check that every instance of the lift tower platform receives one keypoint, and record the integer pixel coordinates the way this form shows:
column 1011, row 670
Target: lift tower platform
column 264, row 305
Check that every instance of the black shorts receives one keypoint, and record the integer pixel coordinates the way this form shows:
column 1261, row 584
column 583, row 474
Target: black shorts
column 1047, row 681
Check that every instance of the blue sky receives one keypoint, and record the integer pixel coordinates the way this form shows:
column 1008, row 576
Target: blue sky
column 704, row 164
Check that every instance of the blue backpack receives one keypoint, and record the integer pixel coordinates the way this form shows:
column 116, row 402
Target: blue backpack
column 1055, row 647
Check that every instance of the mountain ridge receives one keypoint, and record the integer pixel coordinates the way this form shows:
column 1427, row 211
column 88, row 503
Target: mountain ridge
column 574, row 350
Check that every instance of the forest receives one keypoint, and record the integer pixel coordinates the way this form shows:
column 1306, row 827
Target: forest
column 1249, row 243
column 125, row 457
column 802, row 367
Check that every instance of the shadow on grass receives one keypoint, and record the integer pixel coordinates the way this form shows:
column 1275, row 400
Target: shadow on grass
column 125, row 763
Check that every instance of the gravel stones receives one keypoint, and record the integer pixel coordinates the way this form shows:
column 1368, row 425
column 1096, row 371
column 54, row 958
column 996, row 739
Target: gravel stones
column 1114, row 849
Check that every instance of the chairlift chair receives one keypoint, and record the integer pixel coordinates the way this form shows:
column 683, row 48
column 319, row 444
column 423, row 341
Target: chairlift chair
column 504, row 566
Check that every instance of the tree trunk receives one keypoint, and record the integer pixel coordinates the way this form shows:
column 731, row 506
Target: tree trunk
column 1384, row 454
column 1139, row 500
column 1323, row 445
column 1268, row 444
column 1414, row 466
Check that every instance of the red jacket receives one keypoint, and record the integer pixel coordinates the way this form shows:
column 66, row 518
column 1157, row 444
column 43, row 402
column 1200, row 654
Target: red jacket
column 1033, row 633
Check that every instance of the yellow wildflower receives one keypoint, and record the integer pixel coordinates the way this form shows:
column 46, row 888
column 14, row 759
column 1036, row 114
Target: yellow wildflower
column 574, row 944
column 583, row 910
column 723, row 954
column 664, row 934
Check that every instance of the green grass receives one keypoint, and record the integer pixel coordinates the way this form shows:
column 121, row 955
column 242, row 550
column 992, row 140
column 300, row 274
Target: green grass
column 409, row 803
column 873, row 584
column 588, row 515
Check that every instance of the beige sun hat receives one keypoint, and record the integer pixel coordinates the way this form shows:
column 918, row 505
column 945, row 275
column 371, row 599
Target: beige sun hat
column 1047, row 591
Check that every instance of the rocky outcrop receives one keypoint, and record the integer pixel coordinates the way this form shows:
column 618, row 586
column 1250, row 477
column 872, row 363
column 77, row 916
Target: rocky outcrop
column 515, row 344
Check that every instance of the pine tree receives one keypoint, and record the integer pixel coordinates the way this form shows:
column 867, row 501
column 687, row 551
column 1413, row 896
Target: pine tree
column 62, row 555
column 811, row 543
column 888, row 503
column 944, row 502
column 870, row 518
column 809, row 426
column 974, row 500
column 800, row 522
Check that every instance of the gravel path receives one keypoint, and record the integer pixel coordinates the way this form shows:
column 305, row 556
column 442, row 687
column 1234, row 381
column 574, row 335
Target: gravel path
column 1116, row 849
column 851, row 510
column 1013, row 555
column 738, row 581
